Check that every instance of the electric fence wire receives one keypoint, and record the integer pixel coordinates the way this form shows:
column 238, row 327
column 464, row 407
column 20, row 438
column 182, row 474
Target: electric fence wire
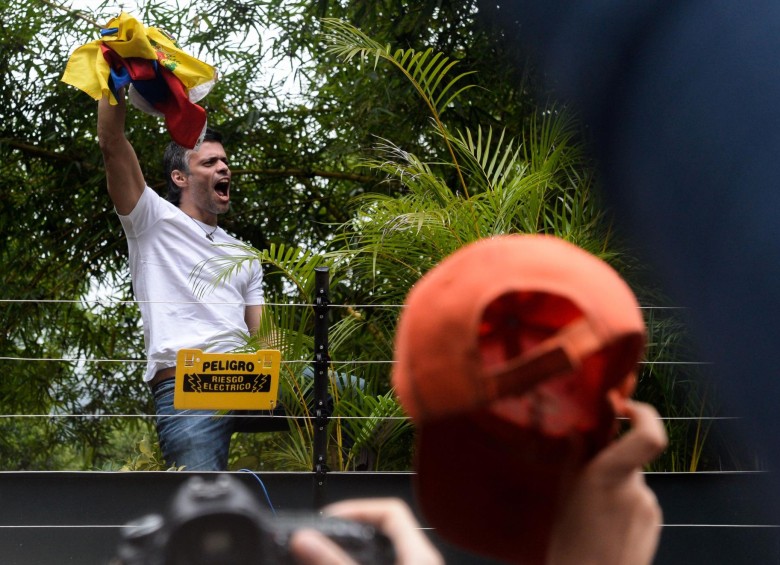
column 299, row 418
column 112, row 302
column 285, row 362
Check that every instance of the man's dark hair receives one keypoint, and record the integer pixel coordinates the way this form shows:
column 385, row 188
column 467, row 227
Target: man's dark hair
column 177, row 158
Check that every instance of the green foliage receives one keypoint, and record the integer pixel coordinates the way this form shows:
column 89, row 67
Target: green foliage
column 147, row 458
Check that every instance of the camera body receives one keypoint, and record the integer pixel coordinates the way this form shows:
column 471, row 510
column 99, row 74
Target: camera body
column 219, row 522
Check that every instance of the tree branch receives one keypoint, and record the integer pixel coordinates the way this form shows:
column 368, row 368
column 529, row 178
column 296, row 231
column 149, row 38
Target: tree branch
column 46, row 154
column 74, row 13
column 307, row 173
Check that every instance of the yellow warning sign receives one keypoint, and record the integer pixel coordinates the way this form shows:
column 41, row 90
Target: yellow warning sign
column 227, row 381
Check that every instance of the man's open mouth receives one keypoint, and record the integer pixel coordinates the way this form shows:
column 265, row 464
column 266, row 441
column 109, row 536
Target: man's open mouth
column 223, row 188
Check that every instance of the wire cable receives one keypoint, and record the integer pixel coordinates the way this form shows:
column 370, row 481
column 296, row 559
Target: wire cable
column 262, row 486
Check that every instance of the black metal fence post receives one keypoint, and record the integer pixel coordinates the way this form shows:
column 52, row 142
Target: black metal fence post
column 321, row 363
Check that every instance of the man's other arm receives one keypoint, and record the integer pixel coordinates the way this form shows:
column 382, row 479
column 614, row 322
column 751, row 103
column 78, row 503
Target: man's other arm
column 252, row 317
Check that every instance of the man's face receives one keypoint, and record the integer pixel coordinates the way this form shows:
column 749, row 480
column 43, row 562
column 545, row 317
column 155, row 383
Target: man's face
column 207, row 190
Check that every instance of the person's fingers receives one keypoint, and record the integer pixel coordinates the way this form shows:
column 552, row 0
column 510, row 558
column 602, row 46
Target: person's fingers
column 388, row 514
column 395, row 519
column 645, row 441
column 310, row 547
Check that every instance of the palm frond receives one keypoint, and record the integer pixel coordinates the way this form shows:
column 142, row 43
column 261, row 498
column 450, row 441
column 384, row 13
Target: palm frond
column 425, row 70
column 373, row 424
column 551, row 142
column 414, row 174
column 217, row 270
column 291, row 451
column 297, row 265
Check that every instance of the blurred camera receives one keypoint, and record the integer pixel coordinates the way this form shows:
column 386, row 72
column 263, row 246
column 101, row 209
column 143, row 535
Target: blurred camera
column 219, row 522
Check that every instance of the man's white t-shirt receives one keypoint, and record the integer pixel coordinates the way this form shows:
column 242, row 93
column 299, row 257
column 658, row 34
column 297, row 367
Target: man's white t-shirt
column 174, row 280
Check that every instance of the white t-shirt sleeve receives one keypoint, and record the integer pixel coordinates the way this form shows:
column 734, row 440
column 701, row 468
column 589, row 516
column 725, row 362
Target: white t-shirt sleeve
column 254, row 293
column 145, row 214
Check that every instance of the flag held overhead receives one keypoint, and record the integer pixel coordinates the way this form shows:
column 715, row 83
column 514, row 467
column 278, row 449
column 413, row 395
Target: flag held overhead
column 163, row 80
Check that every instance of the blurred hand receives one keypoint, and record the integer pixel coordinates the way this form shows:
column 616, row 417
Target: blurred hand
column 389, row 515
column 610, row 516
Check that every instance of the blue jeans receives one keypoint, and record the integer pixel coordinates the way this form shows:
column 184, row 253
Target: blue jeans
column 198, row 440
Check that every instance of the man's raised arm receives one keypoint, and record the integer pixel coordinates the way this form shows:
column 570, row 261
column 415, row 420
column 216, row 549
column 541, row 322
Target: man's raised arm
column 124, row 177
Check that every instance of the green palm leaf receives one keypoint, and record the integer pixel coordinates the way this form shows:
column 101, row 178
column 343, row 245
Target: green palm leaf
column 425, row 70
column 373, row 424
column 296, row 265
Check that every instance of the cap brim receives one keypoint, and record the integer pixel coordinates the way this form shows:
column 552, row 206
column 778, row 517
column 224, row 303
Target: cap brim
column 487, row 495
column 493, row 487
